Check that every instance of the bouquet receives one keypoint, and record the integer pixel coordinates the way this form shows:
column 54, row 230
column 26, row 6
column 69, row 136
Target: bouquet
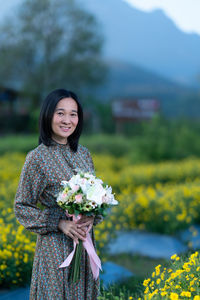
column 84, row 194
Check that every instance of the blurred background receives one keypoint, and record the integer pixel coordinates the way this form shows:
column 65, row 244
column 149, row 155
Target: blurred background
column 135, row 66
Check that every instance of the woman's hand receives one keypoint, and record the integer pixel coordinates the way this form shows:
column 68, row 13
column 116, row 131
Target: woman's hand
column 73, row 230
column 86, row 222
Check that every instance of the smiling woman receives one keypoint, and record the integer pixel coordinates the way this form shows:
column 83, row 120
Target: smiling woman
column 61, row 119
column 52, row 162
column 65, row 120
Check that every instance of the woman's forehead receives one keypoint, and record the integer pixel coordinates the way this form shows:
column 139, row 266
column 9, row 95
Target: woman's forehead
column 67, row 104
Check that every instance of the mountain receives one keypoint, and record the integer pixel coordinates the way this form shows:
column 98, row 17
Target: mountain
column 128, row 81
column 148, row 39
column 125, row 79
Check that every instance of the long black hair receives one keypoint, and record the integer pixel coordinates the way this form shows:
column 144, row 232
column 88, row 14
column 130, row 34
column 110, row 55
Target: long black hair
column 46, row 115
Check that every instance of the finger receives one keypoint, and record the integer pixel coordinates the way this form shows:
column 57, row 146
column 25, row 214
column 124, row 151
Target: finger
column 79, row 236
column 72, row 237
column 85, row 224
column 80, row 221
column 85, row 219
column 89, row 228
column 76, row 240
column 81, row 231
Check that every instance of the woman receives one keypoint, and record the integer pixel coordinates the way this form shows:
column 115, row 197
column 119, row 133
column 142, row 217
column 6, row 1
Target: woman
column 54, row 160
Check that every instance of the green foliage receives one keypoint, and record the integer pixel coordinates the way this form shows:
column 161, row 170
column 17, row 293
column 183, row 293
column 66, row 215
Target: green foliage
column 159, row 140
column 108, row 144
column 34, row 121
column 124, row 290
column 18, row 143
column 50, row 44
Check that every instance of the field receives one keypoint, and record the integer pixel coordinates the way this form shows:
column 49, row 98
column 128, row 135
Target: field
column 159, row 197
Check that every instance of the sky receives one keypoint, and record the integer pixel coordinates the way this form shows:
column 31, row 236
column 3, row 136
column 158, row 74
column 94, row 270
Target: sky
column 184, row 13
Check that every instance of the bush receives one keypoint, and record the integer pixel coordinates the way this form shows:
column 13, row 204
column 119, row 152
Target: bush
column 179, row 281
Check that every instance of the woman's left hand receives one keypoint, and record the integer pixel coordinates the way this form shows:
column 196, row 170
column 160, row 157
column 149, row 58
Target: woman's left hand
column 86, row 221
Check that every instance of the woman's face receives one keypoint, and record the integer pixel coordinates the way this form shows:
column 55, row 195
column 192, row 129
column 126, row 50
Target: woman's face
column 65, row 120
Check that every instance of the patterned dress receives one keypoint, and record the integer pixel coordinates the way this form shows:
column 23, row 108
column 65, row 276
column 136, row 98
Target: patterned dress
column 44, row 169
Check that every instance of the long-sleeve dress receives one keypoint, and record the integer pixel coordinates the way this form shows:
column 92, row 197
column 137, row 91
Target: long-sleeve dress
column 44, row 169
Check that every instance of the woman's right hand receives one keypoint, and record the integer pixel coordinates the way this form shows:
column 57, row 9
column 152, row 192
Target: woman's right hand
column 73, row 230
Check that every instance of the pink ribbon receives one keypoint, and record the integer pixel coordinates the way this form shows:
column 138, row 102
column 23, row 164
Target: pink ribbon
column 95, row 262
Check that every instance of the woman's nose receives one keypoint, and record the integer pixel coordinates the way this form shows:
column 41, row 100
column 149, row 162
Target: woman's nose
column 66, row 120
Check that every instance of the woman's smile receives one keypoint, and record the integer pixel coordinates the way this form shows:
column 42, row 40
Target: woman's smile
column 65, row 120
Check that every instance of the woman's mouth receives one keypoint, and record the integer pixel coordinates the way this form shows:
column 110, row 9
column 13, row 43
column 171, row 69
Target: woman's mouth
column 65, row 129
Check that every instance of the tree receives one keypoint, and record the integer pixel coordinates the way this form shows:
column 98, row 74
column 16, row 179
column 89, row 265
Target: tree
column 51, row 44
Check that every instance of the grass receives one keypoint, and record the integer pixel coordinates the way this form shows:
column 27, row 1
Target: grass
column 18, row 143
column 141, row 266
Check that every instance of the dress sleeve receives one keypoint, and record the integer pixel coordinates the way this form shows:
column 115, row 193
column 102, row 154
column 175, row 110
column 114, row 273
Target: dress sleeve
column 31, row 186
column 99, row 218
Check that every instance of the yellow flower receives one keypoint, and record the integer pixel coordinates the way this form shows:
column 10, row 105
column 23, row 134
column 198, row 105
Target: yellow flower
column 152, row 284
column 157, row 270
column 177, row 286
column 162, row 276
column 169, row 270
column 186, row 294
column 197, row 297
column 146, row 281
column 173, row 296
column 158, row 281
column 174, row 256
column 187, row 269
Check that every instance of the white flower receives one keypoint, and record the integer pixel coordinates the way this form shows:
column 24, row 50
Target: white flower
column 95, row 193
column 75, row 187
column 84, row 184
column 75, row 179
column 88, row 175
column 59, row 198
column 110, row 197
column 62, row 197
column 91, row 189
column 105, row 199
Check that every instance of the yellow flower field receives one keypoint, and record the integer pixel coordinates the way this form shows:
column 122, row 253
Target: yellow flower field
column 180, row 281
column 162, row 197
column 121, row 175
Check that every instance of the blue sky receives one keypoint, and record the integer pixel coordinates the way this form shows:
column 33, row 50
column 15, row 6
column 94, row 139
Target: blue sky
column 185, row 13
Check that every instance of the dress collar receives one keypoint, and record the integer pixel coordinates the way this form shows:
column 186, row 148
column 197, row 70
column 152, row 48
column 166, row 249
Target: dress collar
column 54, row 143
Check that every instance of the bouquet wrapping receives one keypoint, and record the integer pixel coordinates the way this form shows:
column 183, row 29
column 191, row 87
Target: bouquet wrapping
column 84, row 194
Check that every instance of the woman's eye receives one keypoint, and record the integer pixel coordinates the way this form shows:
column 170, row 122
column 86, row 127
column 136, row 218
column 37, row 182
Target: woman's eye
column 60, row 113
column 73, row 115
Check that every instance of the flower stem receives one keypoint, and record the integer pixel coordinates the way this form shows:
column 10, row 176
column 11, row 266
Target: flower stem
column 75, row 264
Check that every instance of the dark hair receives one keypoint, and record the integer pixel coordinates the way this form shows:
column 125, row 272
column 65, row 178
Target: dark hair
column 46, row 115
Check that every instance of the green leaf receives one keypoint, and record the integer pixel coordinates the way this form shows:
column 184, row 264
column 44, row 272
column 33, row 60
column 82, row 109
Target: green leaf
column 71, row 210
column 76, row 212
